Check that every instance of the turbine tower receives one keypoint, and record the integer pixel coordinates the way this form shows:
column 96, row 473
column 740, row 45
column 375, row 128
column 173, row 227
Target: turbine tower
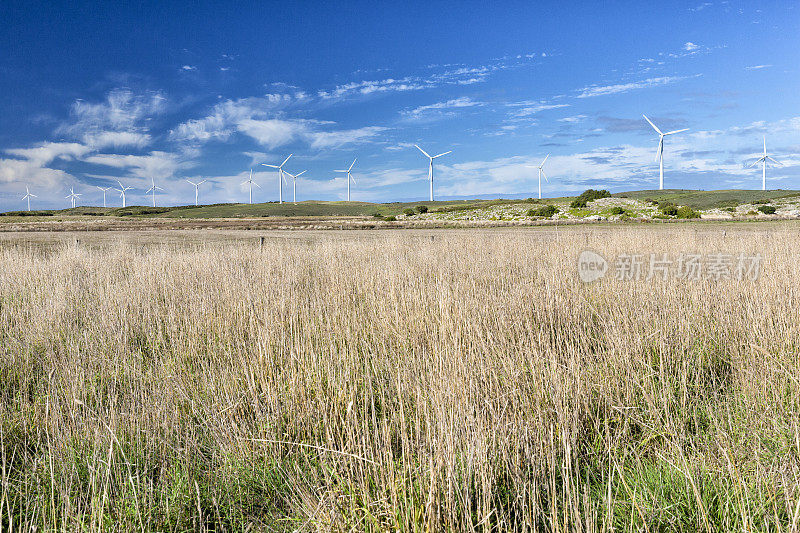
column 541, row 173
column 122, row 190
column 294, row 184
column 430, row 165
column 660, row 151
column 153, row 188
column 104, row 189
column 349, row 177
column 196, row 187
column 763, row 160
column 72, row 196
column 251, row 182
column 280, row 177
column 28, row 197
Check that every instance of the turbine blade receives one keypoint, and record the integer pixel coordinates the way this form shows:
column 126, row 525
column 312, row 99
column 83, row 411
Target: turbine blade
column 423, row 151
column 340, row 171
column 440, row 155
column 545, row 177
column 300, row 174
column 545, row 159
column 778, row 162
column 256, row 184
column 202, row 182
column 660, row 149
column 270, row 166
column 676, row 131
column 654, row 126
column 285, row 160
column 351, row 165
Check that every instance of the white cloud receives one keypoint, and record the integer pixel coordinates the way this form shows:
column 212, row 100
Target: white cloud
column 573, row 119
column 335, row 139
column 757, row 67
column 45, row 153
column 116, row 139
column 438, row 109
column 595, row 90
column 690, row 46
column 122, row 110
column 188, row 68
column 157, row 164
column 532, row 107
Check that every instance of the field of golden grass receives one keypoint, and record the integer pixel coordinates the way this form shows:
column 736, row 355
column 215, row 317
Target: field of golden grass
column 457, row 380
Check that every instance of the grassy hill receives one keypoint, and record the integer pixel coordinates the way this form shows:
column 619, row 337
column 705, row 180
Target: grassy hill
column 708, row 199
column 692, row 198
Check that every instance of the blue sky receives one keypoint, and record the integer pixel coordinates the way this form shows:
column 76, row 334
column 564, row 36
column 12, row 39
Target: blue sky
column 92, row 93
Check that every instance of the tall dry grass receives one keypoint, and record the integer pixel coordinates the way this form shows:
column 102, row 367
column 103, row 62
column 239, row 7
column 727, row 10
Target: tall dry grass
column 470, row 382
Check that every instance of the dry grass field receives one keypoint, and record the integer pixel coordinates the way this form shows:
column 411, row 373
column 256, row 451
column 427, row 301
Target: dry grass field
column 451, row 380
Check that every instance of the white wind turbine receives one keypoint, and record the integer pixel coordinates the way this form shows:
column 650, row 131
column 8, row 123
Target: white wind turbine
column 541, row 173
column 28, row 197
column 430, row 165
column 251, row 182
column 104, row 189
column 72, row 196
column 349, row 177
column 294, row 183
column 196, row 187
column 122, row 190
column 660, row 151
column 280, row 177
column 153, row 188
column 763, row 160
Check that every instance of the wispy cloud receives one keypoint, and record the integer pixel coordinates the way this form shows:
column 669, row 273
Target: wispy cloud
column 598, row 90
column 757, row 67
column 532, row 107
column 439, row 109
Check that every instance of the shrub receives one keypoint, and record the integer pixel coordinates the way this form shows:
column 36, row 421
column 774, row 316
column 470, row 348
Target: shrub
column 668, row 208
column 544, row 211
column 578, row 203
column 590, row 194
column 767, row 209
column 390, row 218
column 617, row 210
column 377, row 215
column 422, row 209
column 409, row 212
column 762, row 201
column 687, row 212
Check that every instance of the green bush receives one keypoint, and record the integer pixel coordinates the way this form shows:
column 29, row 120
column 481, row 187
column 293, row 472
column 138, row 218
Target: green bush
column 767, row 209
column 377, row 215
column 590, row 194
column 668, row 208
column 409, row 212
column 390, row 218
column 578, row 203
column 617, row 210
column 544, row 211
column 687, row 212
column 761, row 201
column 422, row 209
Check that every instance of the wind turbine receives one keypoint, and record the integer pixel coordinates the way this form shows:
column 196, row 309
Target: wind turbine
column 430, row 166
column 28, row 197
column 196, row 187
column 349, row 177
column 541, row 173
column 251, row 182
column 294, row 184
column 660, row 151
column 280, row 177
column 104, row 189
column 763, row 161
column 122, row 190
column 72, row 196
column 153, row 188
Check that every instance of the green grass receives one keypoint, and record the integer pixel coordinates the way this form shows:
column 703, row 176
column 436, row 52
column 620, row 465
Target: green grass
column 692, row 198
column 707, row 199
